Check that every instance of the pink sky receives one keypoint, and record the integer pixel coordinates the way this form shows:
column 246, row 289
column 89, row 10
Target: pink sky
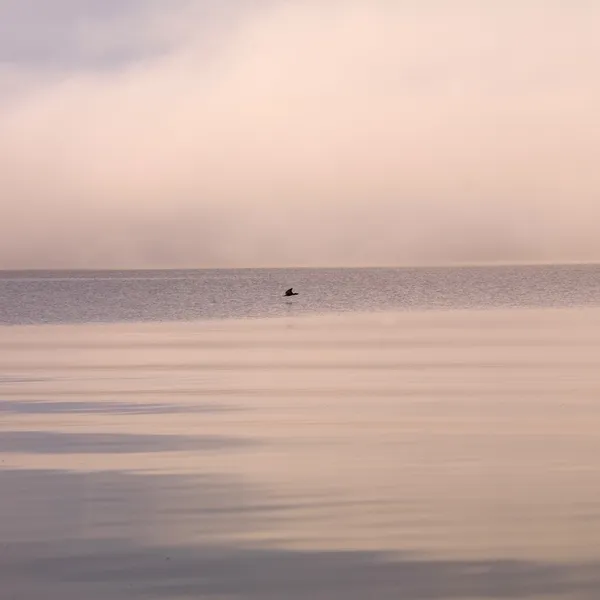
column 249, row 133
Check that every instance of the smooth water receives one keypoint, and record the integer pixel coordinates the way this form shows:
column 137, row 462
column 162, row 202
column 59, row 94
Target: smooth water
column 360, row 445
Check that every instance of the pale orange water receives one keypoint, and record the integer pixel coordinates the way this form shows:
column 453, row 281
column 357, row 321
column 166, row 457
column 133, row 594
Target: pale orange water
column 416, row 455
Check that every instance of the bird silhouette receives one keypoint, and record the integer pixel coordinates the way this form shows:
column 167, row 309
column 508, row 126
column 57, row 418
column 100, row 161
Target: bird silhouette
column 290, row 292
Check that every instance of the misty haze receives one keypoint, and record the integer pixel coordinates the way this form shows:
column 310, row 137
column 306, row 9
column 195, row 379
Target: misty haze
column 270, row 133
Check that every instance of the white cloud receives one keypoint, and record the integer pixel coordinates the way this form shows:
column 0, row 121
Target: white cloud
column 312, row 132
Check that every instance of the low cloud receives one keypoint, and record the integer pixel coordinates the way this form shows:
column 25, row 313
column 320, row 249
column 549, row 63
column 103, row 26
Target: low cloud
column 303, row 133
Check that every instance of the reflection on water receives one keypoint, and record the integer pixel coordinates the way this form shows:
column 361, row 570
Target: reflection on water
column 425, row 455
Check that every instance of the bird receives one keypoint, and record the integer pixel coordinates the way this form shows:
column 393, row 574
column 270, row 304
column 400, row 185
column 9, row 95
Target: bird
column 290, row 292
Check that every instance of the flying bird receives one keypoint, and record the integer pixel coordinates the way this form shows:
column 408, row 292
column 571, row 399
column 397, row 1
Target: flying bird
column 290, row 292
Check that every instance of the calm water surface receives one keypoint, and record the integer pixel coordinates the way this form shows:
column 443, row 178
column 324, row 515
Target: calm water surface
column 155, row 442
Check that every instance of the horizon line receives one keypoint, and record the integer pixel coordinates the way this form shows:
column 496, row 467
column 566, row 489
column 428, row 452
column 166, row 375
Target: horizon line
column 306, row 267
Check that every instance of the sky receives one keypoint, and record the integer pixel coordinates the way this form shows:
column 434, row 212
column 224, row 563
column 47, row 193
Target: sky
column 242, row 133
